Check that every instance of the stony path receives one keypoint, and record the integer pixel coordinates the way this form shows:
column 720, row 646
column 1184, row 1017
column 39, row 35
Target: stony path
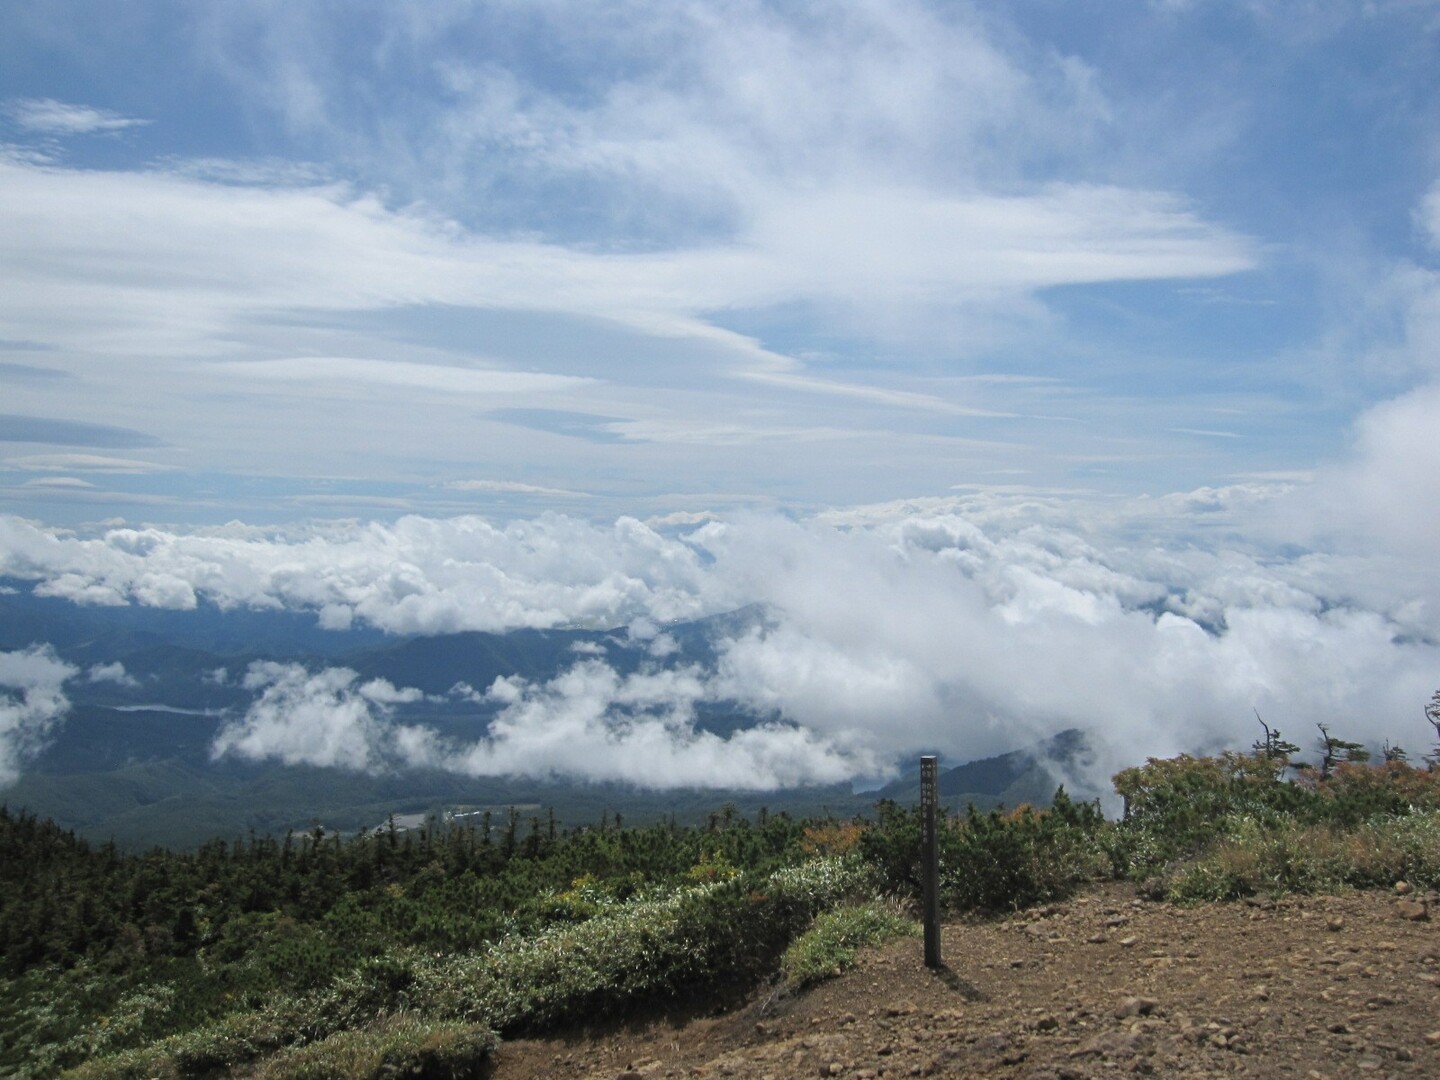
column 1102, row 985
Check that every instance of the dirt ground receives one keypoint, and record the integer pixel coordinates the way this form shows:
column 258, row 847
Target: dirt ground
column 1099, row 986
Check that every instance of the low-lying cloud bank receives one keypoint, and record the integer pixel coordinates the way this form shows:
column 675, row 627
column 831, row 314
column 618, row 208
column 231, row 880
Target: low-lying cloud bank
column 32, row 701
column 589, row 723
column 970, row 624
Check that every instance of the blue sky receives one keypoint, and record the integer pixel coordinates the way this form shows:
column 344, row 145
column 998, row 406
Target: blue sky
column 1040, row 364
column 286, row 259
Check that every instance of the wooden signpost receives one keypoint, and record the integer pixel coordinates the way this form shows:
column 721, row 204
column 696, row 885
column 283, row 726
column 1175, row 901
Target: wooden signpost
column 930, row 859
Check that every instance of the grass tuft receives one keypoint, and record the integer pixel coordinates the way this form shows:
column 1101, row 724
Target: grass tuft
column 829, row 947
column 397, row 1046
column 1299, row 858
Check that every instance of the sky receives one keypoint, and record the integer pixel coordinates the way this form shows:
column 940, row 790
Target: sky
column 984, row 344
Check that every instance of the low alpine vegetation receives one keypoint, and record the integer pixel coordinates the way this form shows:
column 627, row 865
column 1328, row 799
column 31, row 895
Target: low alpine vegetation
column 397, row 953
column 829, row 947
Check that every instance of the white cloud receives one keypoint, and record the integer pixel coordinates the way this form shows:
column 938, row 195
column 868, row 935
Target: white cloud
column 46, row 116
column 326, row 718
column 683, row 175
column 59, row 482
column 587, row 724
column 511, row 487
column 922, row 631
column 1428, row 216
column 1389, row 492
column 416, row 575
column 672, row 105
column 910, row 245
column 111, row 673
column 91, row 463
column 32, row 701
column 591, row 723
column 1383, row 494
column 970, row 624
column 162, row 264
column 450, row 380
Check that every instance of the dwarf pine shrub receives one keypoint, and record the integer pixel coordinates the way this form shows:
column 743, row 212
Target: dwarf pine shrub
column 694, row 937
column 1302, row 858
column 993, row 861
column 1251, row 830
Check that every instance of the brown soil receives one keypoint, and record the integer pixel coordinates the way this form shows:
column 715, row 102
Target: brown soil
column 1101, row 985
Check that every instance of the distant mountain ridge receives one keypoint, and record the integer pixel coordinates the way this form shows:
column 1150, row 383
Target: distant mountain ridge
column 1027, row 775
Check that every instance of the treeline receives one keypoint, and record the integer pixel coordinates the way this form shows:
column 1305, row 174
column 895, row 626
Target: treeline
column 450, row 886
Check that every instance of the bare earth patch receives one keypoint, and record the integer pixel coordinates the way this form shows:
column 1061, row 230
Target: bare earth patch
column 1098, row 986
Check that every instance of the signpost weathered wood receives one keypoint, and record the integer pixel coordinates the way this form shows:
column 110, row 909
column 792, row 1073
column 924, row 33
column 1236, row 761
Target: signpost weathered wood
column 930, row 859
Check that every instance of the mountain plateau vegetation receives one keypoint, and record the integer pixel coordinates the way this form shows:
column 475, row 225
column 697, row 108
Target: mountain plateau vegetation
column 412, row 952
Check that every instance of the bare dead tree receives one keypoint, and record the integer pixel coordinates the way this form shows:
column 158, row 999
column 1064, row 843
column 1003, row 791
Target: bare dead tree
column 1334, row 749
column 1273, row 748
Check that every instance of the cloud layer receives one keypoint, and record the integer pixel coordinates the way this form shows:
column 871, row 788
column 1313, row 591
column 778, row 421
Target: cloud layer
column 970, row 625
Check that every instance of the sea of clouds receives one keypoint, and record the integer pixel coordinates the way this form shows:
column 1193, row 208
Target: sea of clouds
column 970, row 624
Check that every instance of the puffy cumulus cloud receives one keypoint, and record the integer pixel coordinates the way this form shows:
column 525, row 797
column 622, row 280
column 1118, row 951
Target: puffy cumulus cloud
column 111, row 673
column 32, row 700
column 326, row 718
column 592, row 723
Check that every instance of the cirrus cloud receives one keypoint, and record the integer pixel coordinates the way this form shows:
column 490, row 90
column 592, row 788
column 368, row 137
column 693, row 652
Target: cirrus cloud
column 46, row 116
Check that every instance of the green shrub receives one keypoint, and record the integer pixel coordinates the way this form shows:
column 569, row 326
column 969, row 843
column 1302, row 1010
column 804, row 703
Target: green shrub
column 1179, row 808
column 696, row 937
column 994, row 861
column 141, row 1063
column 830, row 945
column 411, row 972
column 370, row 990
column 131, row 1019
column 398, row 1046
column 1304, row 858
column 1356, row 792
column 1174, row 806
column 1000, row 861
